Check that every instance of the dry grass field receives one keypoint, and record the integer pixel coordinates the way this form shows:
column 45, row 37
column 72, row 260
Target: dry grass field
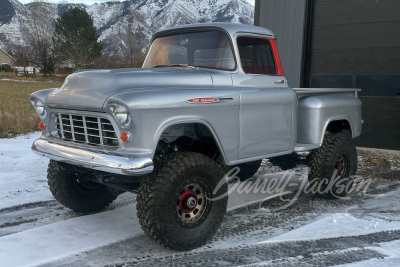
column 17, row 115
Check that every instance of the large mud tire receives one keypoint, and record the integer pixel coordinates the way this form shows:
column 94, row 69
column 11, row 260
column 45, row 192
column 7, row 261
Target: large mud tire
column 174, row 204
column 332, row 165
column 74, row 192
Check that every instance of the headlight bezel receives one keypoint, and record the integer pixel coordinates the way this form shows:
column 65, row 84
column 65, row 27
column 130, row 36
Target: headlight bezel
column 121, row 114
column 39, row 107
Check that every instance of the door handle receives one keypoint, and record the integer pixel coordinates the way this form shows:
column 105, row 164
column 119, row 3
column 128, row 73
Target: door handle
column 280, row 81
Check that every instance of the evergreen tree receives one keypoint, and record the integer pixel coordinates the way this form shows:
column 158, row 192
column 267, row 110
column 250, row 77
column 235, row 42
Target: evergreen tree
column 75, row 38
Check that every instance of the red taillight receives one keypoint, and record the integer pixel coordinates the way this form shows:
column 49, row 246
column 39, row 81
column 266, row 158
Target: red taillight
column 41, row 125
column 124, row 137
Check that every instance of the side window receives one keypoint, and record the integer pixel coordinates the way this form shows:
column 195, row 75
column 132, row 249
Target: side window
column 256, row 56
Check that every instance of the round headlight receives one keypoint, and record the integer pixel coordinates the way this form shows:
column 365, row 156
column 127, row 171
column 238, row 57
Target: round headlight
column 39, row 107
column 122, row 118
column 121, row 114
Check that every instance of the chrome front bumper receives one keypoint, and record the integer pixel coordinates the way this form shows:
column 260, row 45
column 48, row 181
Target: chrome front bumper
column 92, row 160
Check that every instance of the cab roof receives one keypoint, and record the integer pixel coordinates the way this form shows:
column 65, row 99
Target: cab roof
column 230, row 28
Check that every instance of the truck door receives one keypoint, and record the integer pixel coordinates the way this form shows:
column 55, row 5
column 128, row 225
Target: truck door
column 267, row 104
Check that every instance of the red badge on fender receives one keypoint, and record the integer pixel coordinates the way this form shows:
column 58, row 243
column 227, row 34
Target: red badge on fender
column 202, row 100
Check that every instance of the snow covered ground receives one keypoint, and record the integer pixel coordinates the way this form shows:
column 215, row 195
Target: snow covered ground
column 362, row 231
column 22, row 173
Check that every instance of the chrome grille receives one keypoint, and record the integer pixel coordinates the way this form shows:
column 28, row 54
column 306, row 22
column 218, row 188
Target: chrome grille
column 85, row 129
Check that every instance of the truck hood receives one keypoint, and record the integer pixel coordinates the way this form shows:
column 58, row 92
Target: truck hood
column 89, row 90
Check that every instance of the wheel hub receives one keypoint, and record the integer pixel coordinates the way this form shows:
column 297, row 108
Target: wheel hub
column 342, row 165
column 188, row 201
column 191, row 203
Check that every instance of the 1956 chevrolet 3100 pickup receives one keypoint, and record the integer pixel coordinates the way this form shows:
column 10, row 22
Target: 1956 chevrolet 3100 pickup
column 209, row 97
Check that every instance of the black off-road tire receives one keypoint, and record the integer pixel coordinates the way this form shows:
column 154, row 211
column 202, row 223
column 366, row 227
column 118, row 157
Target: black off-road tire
column 339, row 153
column 158, row 201
column 73, row 192
column 247, row 170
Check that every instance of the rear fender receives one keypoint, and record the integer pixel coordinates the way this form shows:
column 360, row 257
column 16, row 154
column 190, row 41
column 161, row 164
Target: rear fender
column 317, row 113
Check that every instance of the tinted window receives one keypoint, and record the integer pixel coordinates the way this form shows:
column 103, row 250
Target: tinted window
column 256, row 56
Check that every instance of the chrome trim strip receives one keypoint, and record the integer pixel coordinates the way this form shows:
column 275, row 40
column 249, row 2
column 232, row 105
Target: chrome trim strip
column 85, row 129
column 215, row 100
column 96, row 161
column 223, row 99
column 72, row 127
column 100, row 130
column 61, row 125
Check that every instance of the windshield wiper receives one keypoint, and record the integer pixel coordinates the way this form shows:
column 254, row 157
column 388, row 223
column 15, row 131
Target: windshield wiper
column 173, row 65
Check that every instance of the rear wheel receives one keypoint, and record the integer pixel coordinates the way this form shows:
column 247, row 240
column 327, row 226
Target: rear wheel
column 74, row 191
column 332, row 165
column 182, row 205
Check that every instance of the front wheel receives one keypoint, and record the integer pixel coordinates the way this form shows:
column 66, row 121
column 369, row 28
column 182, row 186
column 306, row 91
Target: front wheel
column 182, row 205
column 74, row 191
column 332, row 165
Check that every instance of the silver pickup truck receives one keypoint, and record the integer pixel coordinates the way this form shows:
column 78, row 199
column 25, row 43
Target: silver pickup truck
column 209, row 97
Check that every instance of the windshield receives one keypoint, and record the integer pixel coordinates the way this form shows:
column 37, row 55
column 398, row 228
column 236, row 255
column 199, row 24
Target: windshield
column 209, row 49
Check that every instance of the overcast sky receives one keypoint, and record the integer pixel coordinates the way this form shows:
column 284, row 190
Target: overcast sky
column 87, row 2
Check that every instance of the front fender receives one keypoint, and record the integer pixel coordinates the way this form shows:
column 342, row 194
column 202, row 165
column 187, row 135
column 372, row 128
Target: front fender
column 42, row 94
column 188, row 120
column 152, row 111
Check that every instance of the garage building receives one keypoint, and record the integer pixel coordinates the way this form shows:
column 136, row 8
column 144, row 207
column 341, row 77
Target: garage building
column 344, row 44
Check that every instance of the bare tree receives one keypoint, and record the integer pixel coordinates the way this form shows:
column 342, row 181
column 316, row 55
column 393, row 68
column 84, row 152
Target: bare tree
column 107, row 62
column 38, row 32
column 132, row 42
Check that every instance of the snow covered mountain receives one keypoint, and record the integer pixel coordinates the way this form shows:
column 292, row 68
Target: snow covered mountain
column 111, row 18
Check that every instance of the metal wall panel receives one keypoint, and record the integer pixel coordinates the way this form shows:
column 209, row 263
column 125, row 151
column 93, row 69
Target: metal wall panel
column 347, row 43
column 354, row 37
column 381, row 128
column 286, row 18
column 356, row 43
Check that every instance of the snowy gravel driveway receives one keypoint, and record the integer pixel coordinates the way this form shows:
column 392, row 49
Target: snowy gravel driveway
column 362, row 231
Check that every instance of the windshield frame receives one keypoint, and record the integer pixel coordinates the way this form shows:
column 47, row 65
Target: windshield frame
column 173, row 32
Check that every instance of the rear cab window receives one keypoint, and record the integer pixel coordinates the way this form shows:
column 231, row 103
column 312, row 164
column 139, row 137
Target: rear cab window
column 256, row 56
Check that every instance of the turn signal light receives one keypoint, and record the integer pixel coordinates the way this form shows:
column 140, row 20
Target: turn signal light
column 124, row 137
column 41, row 125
